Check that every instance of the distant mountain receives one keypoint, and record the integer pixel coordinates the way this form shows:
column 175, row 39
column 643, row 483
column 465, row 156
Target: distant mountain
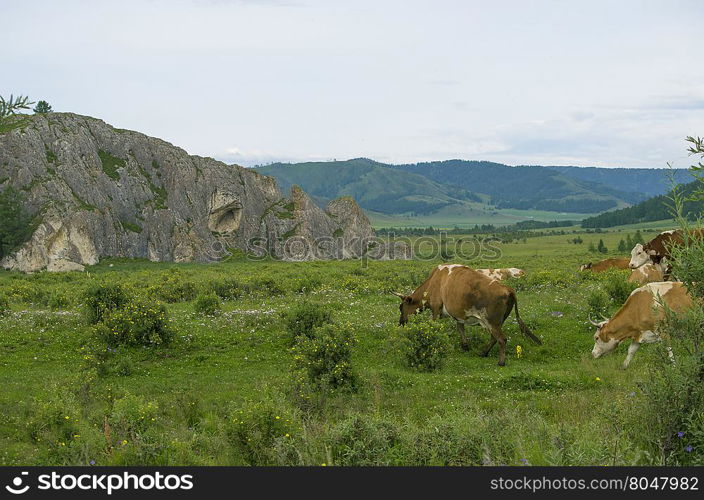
column 648, row 181
column 373, row 185
column 425, row 188
column 526, row 187
column 656, row 208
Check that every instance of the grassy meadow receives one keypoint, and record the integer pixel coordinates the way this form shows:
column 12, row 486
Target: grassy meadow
column 224, row 391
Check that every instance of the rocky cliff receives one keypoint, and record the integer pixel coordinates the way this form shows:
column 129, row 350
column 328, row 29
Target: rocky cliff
column 100, row 191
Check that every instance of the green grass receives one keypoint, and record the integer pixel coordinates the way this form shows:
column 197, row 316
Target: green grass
column 227, row 377
column 111, row 164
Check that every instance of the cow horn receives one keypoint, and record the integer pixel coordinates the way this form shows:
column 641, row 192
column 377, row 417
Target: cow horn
column 603, row 317
column 399, row 295
column 593, row 322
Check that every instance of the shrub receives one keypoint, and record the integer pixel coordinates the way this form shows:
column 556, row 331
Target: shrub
column 363, row 440
column 4, row 306
column 325, row 358
column 426, row 343
column 15, row 223
column 269, row 287
column 598, row 302
column 208, row 305
column 136, row 324
column 672, row 406
column 309, row 284
column 58, row 300
column 102, row 299
column 263, row 434
column 228, row 289
column 173, row 291
column 303, row 318
column 132, row 415
column 618, row 288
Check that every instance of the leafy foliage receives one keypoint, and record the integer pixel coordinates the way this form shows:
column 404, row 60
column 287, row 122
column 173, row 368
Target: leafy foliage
column 15, row 222
column 208, row 305
column 43, row 107
column 138, row 323
column 427, row 344
column 325, row 357
column 302, row 319
column 101, row 299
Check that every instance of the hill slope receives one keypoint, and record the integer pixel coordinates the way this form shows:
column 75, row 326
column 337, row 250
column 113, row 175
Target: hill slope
column 434, row 187
column 653, row 209
column 374, row 185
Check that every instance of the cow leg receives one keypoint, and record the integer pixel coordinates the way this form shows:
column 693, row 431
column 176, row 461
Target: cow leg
column 463, row 336
column 632, row 349
column 488, row 347
column 501, row 339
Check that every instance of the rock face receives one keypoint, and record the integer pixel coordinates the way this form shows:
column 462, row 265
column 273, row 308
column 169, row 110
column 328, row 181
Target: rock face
column 100, row 191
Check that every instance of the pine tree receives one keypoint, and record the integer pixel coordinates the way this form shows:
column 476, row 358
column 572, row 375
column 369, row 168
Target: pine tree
column 638, row 238
column 601, row 248
column 621, row 246
column 629, row 241
column 43, row 107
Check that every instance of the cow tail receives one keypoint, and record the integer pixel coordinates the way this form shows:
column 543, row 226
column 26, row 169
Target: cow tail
column 524, row 328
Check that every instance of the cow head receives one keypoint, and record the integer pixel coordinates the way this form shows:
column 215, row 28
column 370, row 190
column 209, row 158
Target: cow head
column 408, row 307
column 641, row 255
column 586, row 266
column 604, row 343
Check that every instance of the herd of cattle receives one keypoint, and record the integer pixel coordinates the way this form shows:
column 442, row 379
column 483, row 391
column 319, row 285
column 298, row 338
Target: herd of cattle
column 477, row 297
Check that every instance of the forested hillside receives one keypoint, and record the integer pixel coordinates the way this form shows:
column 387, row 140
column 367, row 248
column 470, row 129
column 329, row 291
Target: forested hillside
column 426, row 188
column 657, row 208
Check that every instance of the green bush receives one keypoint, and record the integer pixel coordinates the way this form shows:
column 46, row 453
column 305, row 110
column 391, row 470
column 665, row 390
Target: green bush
column 15, row 223
column 598, row 302
column 138, row 323
column 58, row 300
column 269, row 287
column 173, row 291
column 4, row 306
column 228, row 289
column 618, row 287
column 362, row 440
column 324, row 359
column 263, row 434
column 426, row 343
column 303, row 318
column 208, row 305
column 672, row 406
column 102, row 299
column 309, row 284
column 131, row 416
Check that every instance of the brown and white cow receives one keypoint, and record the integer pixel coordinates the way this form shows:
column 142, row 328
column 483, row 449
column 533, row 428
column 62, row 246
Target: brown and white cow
column 470, row 298
column 605, row 264
column 502, row 274
column 639, row 317
column 647, row 273
column 657, row 250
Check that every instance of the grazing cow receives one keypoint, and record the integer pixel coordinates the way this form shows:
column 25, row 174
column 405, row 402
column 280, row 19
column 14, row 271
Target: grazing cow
column 603, row 265
column 639, row 317
column 657, row 250
column 648, row 273
column 502, row 274
column 468, row 297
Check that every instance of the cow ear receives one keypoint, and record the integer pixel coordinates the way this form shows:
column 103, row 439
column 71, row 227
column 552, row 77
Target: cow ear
column 408, row 299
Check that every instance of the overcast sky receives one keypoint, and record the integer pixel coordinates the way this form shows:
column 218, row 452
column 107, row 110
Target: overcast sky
column 523, row 82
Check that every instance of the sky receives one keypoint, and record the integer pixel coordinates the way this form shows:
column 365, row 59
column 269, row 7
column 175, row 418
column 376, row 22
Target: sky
column 588, row 83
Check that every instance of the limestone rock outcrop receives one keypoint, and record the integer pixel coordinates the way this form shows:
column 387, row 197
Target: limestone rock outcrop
column 99, row 191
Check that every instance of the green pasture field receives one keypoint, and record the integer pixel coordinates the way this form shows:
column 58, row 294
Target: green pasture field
column 222, row 392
